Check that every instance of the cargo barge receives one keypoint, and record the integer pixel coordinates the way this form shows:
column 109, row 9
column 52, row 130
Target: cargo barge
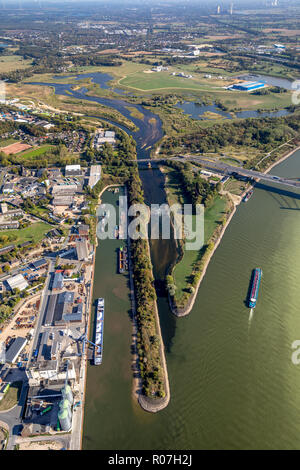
column 123, row 259
column 254, row 288
column 99, row 332
column 248, row 195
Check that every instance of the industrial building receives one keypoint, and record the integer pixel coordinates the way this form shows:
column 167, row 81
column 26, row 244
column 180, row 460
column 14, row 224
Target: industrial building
column 58, row 281
column 15, row 350
column 17, row 282
column 83, row 230
column 248, row 86
column 82, row 249
column 9, row 225
column 39, row 264
column 62, row 310
column 66, row 201
column 73, row 170
column 8, row 188
column 64, row 189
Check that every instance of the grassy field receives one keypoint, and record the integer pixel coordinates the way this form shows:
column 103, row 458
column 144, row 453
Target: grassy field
column 162, row 80
column 33, row 233
column 33, row 154
column 13, row 62
column 11, row 397
column 5, row 142
column 183, row 269
column 212, row 218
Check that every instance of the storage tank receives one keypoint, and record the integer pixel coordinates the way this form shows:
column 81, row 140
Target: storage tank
column 64, row 419
column 67, row 393
column 65, row 405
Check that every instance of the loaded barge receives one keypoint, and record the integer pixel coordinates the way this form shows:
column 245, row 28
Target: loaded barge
column 123, row 260
column 254, row 288
column 99, row 332
column 248, row 195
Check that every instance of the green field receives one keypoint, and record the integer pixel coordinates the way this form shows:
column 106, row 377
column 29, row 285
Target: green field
column 161, row 80
column 33, row 233
column 183, row 269
column 33, row 154
column 5, row 142
column 14, row 62
column 212, row 218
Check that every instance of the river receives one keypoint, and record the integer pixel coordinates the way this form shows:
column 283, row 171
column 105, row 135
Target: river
column 233, row 384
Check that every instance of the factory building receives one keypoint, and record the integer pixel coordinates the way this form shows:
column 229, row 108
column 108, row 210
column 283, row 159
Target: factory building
column 82, row 250
column 15, row 350
column 9, row 225
column 52, row 371
column 73, row 170
column 8, row 188
column 64, row 189
column 17, row 282
column 63, row 201
column 58, row 281
column 83, row 230
column 40, row 263
column 49, row 314
column 248, row 86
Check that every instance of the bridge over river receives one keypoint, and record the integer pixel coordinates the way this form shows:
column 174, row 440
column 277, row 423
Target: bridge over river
column 230, row 170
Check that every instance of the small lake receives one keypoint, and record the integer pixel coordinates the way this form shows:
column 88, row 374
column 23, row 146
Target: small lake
column 197, row 111
column 272, row 81
column 98, row 78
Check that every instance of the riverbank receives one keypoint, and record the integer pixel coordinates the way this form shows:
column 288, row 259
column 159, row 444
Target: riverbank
column 183, row 311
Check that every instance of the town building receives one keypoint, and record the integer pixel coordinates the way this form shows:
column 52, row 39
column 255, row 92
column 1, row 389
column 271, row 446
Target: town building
column 73, row 170
column 15, row 350
column 17, row 282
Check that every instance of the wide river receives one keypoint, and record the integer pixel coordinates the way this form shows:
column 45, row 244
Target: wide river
column 233, row 383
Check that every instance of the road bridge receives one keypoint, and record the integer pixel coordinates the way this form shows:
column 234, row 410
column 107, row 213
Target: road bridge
column 229, row 170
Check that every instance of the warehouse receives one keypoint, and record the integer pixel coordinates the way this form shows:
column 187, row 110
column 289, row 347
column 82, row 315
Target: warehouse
column 17, row 282
column 58, row 281
column 248, row 86
column 82, row 250
column 83, row 230
column 40, row 263
column 65, row 201
column 49, row 314
column 64, row 189
column 15, row 350
column 72, row 170
column 9, row 225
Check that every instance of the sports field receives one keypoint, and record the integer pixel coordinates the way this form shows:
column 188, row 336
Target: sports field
column 33, row 154
column 15, row 148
